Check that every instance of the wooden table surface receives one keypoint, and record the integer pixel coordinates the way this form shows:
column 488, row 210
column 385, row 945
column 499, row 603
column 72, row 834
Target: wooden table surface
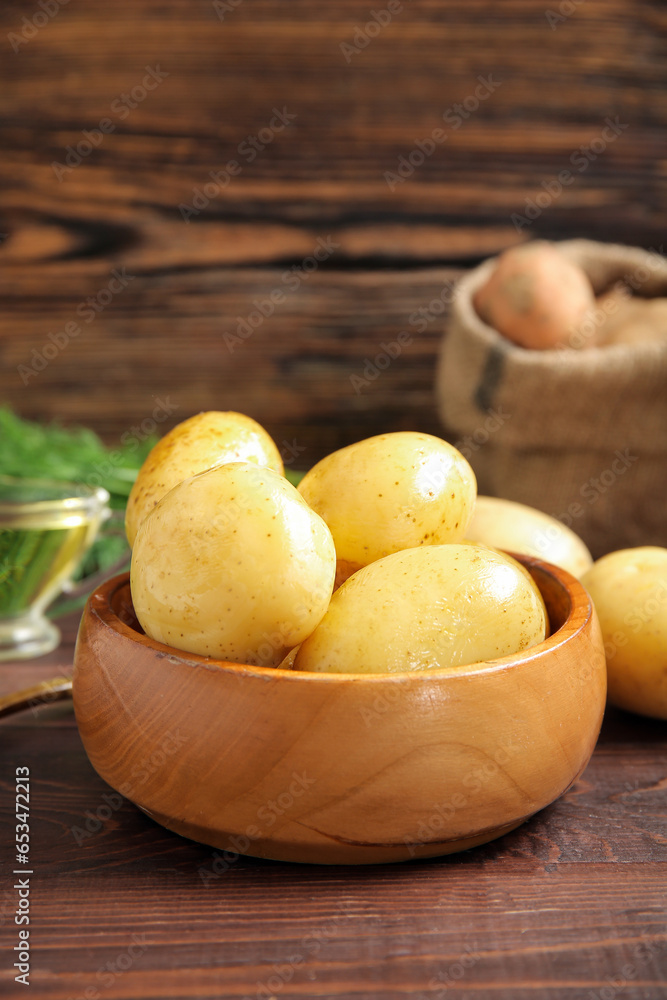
column 571, row 905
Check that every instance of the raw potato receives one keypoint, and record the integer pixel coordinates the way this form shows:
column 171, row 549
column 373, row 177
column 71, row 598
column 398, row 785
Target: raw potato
column 427, row 608
column 194, row 445
column 629, row 590
column 391, row 492
column 234, row 565
column 535, row 297
column 505, row 524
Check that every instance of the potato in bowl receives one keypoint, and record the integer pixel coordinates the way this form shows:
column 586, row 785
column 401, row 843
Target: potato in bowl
column 427, row 608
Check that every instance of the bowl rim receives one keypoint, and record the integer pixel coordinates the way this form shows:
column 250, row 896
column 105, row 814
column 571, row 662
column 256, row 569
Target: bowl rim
column 579, row 614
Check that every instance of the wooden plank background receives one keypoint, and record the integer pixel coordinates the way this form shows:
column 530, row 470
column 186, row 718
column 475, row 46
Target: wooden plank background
column 225, row 69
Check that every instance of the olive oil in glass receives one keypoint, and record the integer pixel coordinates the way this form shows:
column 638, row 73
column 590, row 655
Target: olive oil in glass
column 45, row 529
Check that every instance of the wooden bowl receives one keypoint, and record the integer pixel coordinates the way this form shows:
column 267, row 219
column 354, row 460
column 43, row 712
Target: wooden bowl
column 346, row 768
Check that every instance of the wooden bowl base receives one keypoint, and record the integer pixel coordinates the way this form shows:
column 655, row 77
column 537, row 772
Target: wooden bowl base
column 331, row 851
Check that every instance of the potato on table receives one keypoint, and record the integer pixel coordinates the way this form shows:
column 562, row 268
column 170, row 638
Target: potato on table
column 629, row 591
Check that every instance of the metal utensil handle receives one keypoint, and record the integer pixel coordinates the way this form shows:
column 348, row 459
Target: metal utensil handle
column 57, row 689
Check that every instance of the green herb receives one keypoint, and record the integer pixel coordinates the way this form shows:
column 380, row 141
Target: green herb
column 32, row 561
column 30, row 450
column 76, row 455
column 17, row 555
column 293, row 476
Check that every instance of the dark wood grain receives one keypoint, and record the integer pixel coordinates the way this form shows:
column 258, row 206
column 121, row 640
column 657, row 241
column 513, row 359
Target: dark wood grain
column 166, row 341
column 322, row 176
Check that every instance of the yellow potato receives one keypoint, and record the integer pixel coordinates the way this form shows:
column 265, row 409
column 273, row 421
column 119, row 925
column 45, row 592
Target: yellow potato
column 196, row 444
column 629, row 590
column 424, row 608
column 391, row 492
column 233, row 564
column 504, row 524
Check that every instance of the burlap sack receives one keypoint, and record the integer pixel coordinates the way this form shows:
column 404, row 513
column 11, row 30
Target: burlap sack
column 580, row 434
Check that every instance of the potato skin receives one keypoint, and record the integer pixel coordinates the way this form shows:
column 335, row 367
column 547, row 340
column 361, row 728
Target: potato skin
column 232, row 564
column 629, row 591
column 535, row 297
column 505, row 524
column 196, row 444
column 391, row 492
column 427, row 608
